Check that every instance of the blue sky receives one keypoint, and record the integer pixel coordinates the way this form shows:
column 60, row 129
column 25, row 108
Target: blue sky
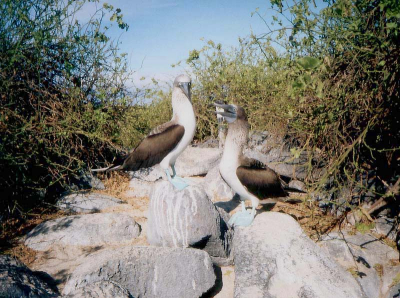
column 162, row 33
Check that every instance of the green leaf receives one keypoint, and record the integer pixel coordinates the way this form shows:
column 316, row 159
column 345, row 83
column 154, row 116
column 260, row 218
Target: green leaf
column 298, row 84
column 320, row 89
column 309, row 63
column 307, row 78
column 296, row 152
column 391, row 25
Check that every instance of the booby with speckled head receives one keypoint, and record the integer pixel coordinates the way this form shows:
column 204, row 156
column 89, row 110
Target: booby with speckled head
column 166, row 142
column 249, row 178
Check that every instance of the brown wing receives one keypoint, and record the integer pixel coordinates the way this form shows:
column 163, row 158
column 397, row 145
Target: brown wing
column 260, row 180
column 161, row 128
column 154, row 148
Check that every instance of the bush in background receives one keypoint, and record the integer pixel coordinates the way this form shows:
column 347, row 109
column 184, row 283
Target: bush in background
column 328, row 79
column 63, row 97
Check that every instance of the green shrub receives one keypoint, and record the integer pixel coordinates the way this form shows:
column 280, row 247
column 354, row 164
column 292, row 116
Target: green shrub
column 328, row 80
column 63, row 95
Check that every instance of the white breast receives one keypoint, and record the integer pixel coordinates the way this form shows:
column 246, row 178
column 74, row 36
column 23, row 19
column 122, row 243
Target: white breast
column 227, row 169
column 186, row 118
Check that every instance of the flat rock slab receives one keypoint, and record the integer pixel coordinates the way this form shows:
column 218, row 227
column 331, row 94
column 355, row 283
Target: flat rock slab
column 274, row 258
column 84, row 230
column 101, row 289
column 186, row 218
column 87, row 202
column 18, row 281
column 368, row 258
column 148, row 271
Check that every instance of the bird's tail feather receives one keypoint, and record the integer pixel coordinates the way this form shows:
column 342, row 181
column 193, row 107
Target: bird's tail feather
column 292, row 189
column 107, row 169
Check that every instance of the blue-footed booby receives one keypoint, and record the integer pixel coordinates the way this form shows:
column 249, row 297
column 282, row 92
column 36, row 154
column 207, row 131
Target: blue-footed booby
column 166, row 142
column 249, row 178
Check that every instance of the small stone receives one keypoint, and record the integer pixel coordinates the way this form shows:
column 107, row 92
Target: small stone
column 387, row 227
column 297, row 185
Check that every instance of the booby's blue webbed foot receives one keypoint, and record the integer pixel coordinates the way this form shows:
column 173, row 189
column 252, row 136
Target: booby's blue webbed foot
column 177, row 181
column 243, row 218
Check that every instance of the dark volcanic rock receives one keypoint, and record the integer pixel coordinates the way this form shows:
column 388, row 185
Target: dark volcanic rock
column 18, row 281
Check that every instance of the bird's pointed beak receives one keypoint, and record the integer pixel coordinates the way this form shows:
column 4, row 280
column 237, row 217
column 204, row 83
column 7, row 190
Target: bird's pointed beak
column 221, row 105
column 185, row 87
column 226, row 111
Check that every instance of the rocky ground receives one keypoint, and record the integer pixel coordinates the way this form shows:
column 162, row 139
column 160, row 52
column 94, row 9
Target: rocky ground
column 159, row 242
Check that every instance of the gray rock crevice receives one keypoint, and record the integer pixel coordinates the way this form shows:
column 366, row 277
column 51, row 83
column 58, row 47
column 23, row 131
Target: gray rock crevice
column 18, row 281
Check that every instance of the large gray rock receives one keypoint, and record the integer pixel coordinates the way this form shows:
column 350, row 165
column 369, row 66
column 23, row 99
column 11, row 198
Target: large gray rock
column 194, row 161
column 18, row 281
column 284, row 163
column 274, row 258
column 366, row 257
column 100, row 289
column 148, row 271
column 216, row 188
column 209, row 143
column 263, row 141
column 84, row 230
column 219, row 191
column 186, row 218
column 87, row 202
column 88, row 181
column 281, row 162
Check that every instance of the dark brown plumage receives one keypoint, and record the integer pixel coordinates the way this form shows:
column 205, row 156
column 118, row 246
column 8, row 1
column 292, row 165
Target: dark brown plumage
column 147, row 155
column 259, row 180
